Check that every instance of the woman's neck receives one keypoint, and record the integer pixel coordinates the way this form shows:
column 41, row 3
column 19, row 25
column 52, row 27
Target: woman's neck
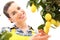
column 21, row 25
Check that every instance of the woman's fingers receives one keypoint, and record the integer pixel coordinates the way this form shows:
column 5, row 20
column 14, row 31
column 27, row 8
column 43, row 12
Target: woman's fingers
column 45, row 37
column 40, row 36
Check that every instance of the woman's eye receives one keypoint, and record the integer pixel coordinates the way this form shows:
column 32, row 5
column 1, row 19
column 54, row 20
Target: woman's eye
column 23, row 13
column 18, row 8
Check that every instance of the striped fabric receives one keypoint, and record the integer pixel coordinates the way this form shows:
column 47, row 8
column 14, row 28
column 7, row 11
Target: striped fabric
column 18, row 31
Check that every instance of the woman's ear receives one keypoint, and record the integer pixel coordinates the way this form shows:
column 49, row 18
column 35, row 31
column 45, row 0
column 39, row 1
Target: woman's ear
column 10, row 20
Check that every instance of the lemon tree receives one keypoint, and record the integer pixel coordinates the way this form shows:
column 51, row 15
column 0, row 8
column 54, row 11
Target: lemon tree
column 50, row 11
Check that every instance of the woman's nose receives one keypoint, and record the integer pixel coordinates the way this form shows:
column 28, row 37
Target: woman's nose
column 20, row 12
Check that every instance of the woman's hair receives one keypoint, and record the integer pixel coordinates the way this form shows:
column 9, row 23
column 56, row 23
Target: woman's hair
column 6, row 8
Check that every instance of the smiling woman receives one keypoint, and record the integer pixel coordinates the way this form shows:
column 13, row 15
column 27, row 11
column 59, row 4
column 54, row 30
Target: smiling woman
column 18, row 16
column 20, row 29
column 32, row 19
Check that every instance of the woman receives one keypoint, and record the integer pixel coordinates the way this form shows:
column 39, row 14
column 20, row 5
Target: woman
column 18, row 16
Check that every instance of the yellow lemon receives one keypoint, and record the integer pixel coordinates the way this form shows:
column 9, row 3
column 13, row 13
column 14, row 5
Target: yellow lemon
column 58, row 23
column 53, row 21
column 46, row 30
column 33, row 8
column 48, row 24
column 48, row 17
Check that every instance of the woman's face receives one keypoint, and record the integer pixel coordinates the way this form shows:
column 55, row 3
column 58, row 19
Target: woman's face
column 16, row 13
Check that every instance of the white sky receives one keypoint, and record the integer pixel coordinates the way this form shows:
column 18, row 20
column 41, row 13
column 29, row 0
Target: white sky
column 33, row 19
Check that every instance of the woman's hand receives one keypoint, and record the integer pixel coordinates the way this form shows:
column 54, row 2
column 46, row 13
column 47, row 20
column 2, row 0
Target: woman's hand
column 40, row 37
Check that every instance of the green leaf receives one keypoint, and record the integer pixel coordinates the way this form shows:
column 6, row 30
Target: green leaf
column 41, row 26
column 5, row 35
column 48, row 6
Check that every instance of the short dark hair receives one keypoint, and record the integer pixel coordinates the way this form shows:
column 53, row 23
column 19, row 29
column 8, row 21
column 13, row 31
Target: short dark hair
column 6, row 8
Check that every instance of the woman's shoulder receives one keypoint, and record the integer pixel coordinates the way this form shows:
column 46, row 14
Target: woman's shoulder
column 5, row 29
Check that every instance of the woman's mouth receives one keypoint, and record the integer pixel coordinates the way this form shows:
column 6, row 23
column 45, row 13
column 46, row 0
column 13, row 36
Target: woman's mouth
column 21, row 17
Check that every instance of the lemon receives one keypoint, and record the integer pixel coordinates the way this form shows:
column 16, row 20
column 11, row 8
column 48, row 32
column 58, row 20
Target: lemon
column 58, row 23
column 46, row 30
column 48, row 24
column 53, row 21
column 48, row 17
column 33, row 8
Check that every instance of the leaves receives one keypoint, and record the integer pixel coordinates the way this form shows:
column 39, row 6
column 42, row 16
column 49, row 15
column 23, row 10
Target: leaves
column 41, row 26
column 5, row 35
column 48, row 6
column 35, row 2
